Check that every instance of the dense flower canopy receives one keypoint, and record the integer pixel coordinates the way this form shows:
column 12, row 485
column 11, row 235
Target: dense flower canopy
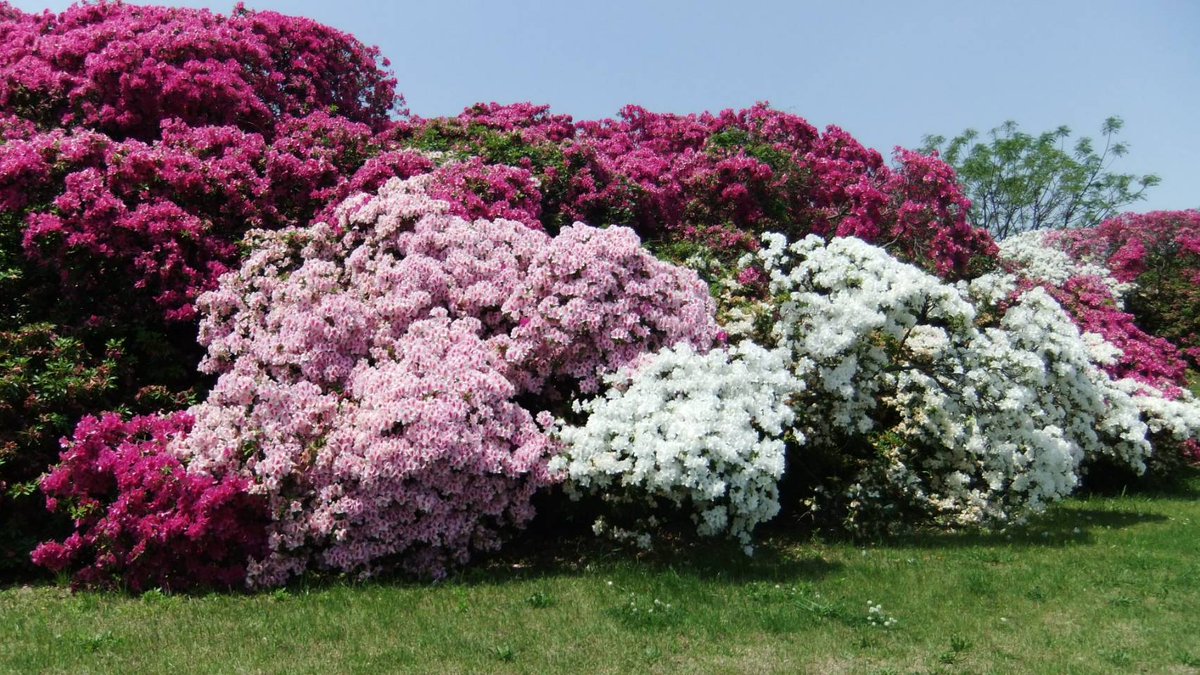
column 283, row 326
column 719, row 180
column 122, row 70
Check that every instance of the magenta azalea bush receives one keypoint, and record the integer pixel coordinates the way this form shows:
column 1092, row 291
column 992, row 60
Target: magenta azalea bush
column 137, row 146
column 124, row 69
column 142, row 520
column 1066, row 264
column 161, row 220
column 1095, row 299
column 717, row 181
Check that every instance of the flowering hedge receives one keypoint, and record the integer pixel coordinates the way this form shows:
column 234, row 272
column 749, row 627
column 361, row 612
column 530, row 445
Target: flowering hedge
column 406, row 330
column 908, row 398
column 718, row 180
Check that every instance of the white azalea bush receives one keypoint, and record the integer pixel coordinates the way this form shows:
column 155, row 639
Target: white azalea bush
column 1145, row 367
column 919, row 412
column 704, row 433
column 886, row 394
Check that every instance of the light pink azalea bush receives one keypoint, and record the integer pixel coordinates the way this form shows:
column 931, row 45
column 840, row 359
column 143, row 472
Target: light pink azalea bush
column 370, row 373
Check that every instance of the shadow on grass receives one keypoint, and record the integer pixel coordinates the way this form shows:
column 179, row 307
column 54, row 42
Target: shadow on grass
column 1165, row 480
column 540, row 557
column 711, row 561
column 1063, row 528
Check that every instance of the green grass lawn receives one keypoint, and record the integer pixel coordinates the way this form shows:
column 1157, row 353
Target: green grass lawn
column 1102, row 584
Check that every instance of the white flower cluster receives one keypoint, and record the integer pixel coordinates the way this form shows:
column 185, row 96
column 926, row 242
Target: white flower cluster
column 1177, row 417
column 1172, row 413
column 704, row 431
column 843, row 308
column 1041, row 260
column 967, row 404
column 983, row 424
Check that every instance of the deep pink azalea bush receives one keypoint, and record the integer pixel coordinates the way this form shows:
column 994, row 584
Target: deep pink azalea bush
column 374, row 373
column 125, row 217
column 1071, row 270
column 1144, row 357
column 1159, row 254
column 161, row 220
column 124, row 69
column 718, row 180
column 141, row 519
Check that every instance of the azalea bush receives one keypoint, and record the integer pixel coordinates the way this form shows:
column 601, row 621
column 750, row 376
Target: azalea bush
column 710, row 183
column 1158, row 255
column 375, row 374
column 1116, row 303
column 1095, row 299
column 124, row 69
column 925, row 410
column 137, row 146
column 702, row 433
column 142, row 520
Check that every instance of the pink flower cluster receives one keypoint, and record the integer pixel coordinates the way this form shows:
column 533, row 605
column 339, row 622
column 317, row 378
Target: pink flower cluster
column 124, row 69
column 370, row 372
column 1159, row 253
column 141, row 519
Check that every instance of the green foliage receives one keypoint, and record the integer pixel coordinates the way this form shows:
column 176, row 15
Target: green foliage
column 46, row 380
column 50, row 377
column 734, row 139
column 1018, row 181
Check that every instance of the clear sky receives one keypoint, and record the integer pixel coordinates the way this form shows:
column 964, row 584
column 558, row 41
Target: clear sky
column 888, row 72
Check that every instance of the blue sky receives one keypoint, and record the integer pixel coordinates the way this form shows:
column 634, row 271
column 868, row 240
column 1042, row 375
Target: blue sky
column 888, row 72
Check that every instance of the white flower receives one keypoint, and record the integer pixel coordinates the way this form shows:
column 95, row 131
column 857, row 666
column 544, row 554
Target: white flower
column 686, row 427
